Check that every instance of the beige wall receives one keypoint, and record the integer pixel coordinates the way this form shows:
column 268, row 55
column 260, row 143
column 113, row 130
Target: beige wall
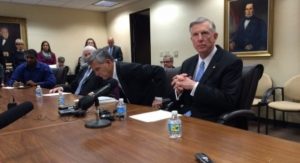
column 169, row 32
column 65, row 29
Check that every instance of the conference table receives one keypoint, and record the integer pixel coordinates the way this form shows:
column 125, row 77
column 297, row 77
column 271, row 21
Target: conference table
column 43, row 136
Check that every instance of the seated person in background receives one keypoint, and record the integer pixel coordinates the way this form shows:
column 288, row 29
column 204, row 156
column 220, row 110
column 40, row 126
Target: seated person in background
column 18, row 55
column 32, row 73
column 61, row 71
column 209, row 82
column 138, row 84
column 82, row 60
column 61, row 62
column 46, row 55
column 86, row 81
column 113, row 50
column 167, row 61
column 88, row 42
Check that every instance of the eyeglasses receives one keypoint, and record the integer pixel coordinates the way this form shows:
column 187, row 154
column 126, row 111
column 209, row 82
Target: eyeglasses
column 165, row 61
column 19, row 44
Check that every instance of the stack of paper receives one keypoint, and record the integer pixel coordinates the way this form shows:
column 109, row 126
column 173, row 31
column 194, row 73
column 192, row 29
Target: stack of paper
column 152, row 116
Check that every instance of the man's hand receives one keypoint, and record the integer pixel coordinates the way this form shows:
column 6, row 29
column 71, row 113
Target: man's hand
column 31, row 83
column 183, row 82
column 57, row 89
column 249, row 47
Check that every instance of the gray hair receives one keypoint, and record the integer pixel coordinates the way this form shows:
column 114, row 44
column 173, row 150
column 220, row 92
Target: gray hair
column 100, row 55
column 201, row 20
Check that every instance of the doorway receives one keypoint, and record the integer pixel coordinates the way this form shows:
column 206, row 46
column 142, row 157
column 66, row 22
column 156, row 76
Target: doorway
column 140, row 37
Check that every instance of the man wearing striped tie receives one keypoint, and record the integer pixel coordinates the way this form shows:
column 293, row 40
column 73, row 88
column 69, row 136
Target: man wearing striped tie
column 209, row 82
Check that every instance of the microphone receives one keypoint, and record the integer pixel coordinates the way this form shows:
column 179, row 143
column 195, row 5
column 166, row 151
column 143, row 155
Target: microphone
column 99, row 123
column 14, row 113
column 87, row 101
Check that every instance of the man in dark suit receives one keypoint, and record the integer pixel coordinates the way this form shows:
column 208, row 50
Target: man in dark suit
column 113, row 50
column 138, row 84
column 208, row 84
column 85, row 82
column 7, row 47
column 251, row 34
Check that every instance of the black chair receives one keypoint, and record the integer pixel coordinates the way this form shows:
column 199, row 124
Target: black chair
column 61, row 74
column 239, row 118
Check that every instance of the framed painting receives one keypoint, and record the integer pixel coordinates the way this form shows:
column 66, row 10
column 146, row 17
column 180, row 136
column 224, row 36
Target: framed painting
column 11, row 29
column 249, row 27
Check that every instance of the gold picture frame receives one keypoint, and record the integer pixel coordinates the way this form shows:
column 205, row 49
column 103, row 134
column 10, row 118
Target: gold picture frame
column 16, row 28
column 249, row 27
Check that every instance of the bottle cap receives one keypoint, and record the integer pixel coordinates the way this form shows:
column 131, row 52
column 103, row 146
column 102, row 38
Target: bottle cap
column 174, row 112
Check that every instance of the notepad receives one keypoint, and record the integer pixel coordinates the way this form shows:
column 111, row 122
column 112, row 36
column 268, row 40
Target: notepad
column 152, row 116
column 55, row 94
column 106, row 99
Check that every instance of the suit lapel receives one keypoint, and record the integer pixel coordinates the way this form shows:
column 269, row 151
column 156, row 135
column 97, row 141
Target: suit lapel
column 191, row 69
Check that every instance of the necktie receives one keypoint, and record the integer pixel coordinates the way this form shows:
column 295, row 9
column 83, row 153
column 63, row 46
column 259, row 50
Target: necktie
column 83, row 80
column 197, row 78
column 200, row 71
column 110, row 50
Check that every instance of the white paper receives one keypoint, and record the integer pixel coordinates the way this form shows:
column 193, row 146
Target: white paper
column 106, row 99
column 152, row 116
column 55, row 94
column 7, row 87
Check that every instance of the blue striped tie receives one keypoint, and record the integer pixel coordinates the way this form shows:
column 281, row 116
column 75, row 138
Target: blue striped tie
column 200, row 71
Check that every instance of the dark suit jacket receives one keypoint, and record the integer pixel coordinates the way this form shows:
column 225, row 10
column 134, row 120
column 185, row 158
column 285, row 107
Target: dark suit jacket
column 255, row 34
column 141, row 83
column 116, row 53
column 218, row 89
column 92, row 83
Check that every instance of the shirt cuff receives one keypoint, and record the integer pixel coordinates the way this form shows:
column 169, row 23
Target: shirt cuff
column 194, row 89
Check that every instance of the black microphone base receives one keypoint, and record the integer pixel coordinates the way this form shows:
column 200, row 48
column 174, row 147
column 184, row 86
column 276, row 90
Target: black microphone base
column 98, row 123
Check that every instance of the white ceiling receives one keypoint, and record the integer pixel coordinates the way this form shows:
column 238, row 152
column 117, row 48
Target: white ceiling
column 77, row 4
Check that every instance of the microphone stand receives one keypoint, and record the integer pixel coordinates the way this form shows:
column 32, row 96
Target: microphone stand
column 98, row 122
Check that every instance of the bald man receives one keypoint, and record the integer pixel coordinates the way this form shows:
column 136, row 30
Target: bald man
column 113, row 50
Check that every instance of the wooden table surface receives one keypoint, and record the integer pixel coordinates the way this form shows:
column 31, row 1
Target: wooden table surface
column 43, row 136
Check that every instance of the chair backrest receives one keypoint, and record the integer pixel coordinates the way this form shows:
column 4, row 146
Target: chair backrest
column 250, row 77
column 61, row 74
column 264, row 84
column 292, row 88
column 170, row 73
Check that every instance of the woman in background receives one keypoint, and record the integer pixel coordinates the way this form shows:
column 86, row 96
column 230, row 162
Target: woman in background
column 46, row 55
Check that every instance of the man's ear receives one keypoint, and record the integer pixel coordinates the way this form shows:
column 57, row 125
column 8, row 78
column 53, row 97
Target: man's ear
column 216, row 35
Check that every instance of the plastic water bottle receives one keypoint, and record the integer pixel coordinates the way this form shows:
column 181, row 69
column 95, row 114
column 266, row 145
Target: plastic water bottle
column 121, row 109
column 38, row 91
column 61, row 99
column 174, row 126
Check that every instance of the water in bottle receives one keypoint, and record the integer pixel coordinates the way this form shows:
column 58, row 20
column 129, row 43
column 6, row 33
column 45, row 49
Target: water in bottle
column 38, row 91
column 121, row 109
column 174, row 126
column 61, row 100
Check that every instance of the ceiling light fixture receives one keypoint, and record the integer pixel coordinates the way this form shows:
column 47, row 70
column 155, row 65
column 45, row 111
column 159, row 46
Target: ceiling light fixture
column 106, row 3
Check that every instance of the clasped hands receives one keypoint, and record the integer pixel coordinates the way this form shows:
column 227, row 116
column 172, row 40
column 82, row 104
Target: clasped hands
column 20, row 84
column 182, row 82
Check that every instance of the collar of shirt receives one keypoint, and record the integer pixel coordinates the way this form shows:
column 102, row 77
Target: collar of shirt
column 207, row 59
column 115, row 75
